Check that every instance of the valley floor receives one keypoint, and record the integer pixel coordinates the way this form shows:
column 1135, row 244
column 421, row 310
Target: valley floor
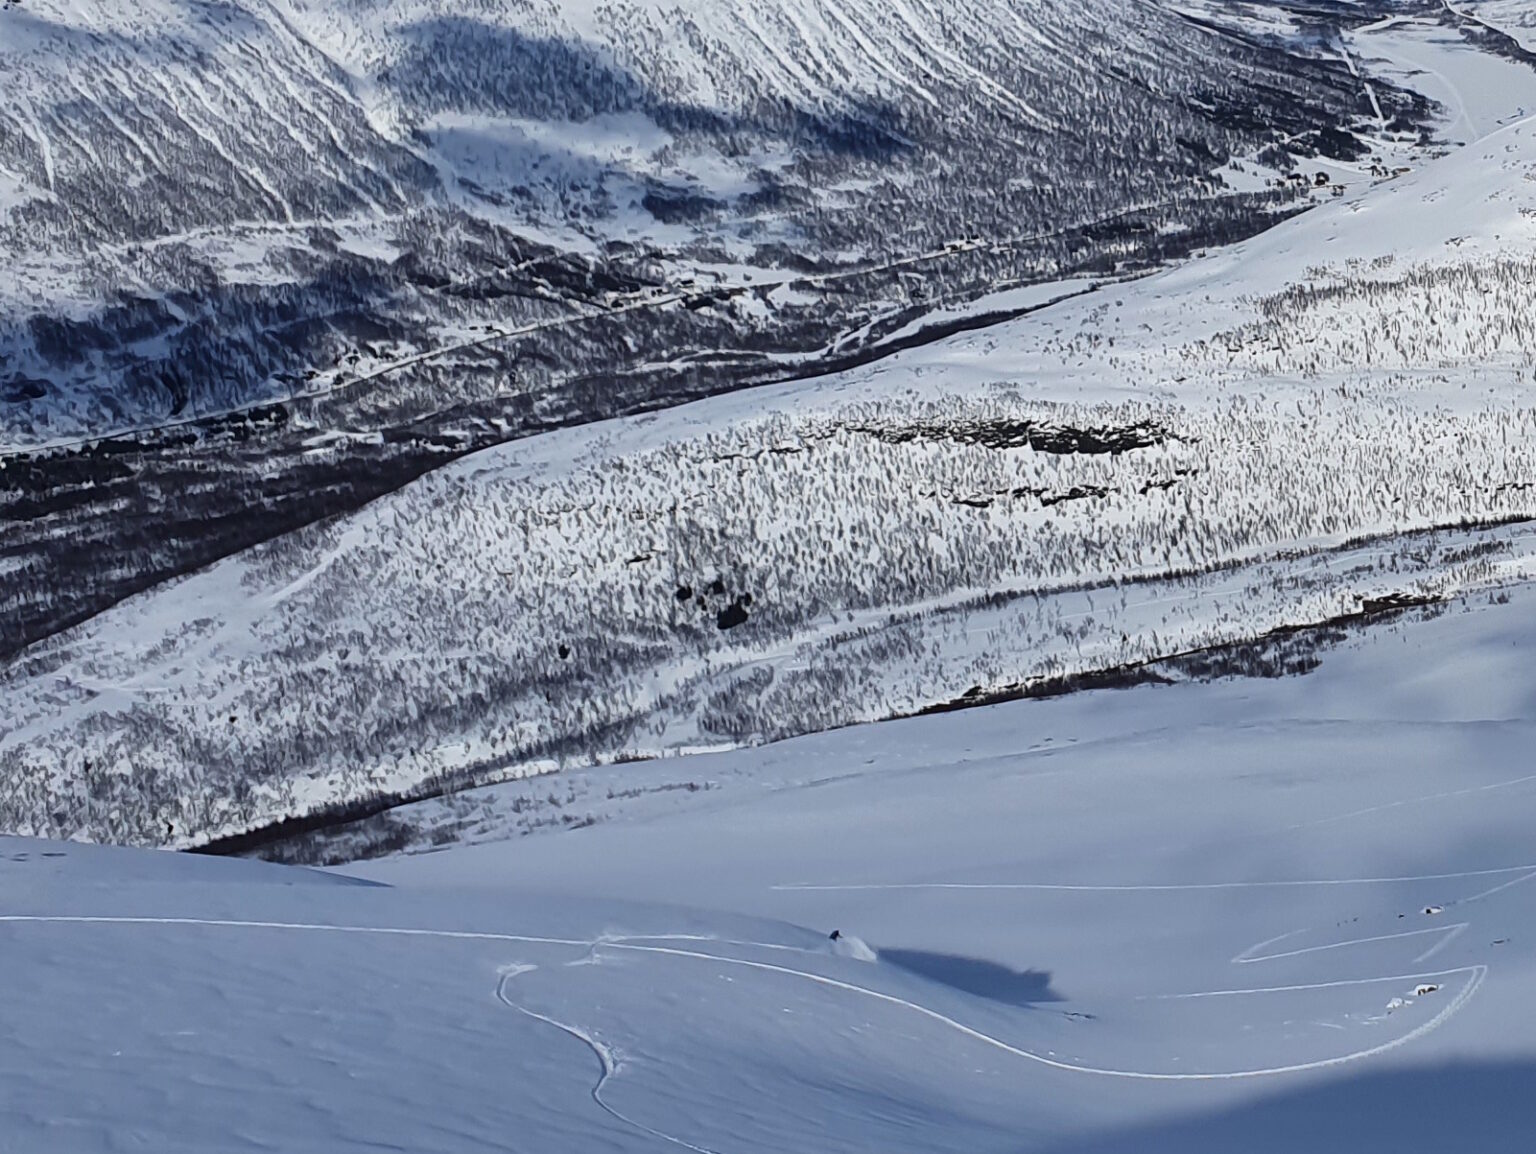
column 1251, row 914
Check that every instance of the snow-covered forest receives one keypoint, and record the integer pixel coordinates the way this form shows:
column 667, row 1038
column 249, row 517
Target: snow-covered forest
column 997, row 509
column 434, row 227
column 1034, row 419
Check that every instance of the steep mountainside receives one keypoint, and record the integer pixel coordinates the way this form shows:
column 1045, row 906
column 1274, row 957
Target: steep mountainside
column 195, row 192
column 1143, row 472
column 242, row 229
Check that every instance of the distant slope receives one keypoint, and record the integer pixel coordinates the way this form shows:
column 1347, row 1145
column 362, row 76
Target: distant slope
column 176, row 175
column 1207, row 455
column 293, row 255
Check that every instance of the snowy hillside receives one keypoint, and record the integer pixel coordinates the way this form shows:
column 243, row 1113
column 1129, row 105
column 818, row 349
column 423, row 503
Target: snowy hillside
column 1258, row 916
column 241, row 229
column 844, row 576
column 268, row 163
column 1135, row 471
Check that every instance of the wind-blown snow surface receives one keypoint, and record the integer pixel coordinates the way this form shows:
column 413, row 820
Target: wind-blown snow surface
column 1143, row 469
column 1258, row 916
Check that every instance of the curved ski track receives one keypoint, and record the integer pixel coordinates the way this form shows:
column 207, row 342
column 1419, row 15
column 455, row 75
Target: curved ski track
column 1472, row 976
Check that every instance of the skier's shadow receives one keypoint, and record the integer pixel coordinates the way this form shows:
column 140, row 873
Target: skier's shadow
column 991, row 980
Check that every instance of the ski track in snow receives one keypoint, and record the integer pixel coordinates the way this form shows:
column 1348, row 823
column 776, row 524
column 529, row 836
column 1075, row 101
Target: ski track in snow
column 1529, row 870
column 689, row 948
column 1447, row 795
column 1474, row 976
column 605, row 1058
column 1250, row 956
column 1488, row 893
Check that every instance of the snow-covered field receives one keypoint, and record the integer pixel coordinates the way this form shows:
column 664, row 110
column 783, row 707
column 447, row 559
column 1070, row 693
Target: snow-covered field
column 1250, row 915
column 1472, row 87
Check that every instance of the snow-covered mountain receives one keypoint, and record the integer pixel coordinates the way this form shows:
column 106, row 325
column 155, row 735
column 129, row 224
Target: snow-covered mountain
column 426, row 420
column 162, row 156
column 1132, row 471
column 433, row 226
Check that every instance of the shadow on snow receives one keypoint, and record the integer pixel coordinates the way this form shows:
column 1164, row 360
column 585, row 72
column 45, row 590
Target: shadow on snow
column 991, row 980
column 1484, row 1107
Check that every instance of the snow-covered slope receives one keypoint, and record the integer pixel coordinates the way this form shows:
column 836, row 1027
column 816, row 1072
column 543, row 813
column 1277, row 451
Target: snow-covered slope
column 1259, row 916
column 168, row 164
column 291, row 254
column 1513, row 18
column 1148, row 468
